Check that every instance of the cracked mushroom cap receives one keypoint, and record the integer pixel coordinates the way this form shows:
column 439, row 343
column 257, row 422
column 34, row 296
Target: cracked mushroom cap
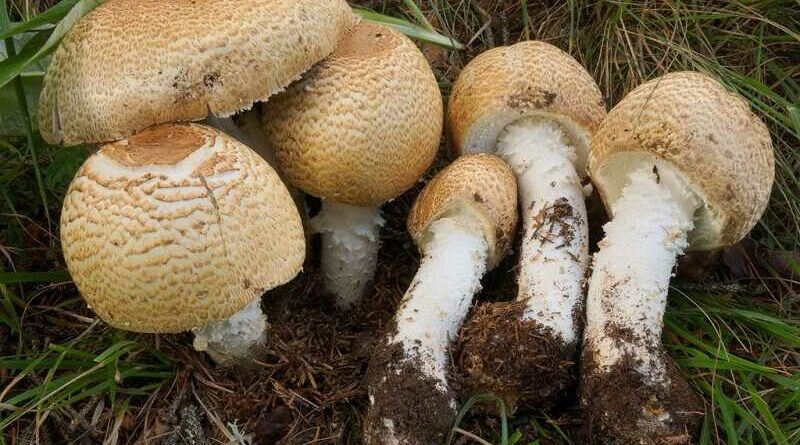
column 177, row 226
column 708, row 135
column 481, row 184
column 528, row 79
column 130, row 64
column 363, row 125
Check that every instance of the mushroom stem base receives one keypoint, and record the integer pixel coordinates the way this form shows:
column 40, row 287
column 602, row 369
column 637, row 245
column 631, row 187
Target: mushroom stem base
column 350, row 242
column 234, row 341
column 625, row 308
column 455, row 254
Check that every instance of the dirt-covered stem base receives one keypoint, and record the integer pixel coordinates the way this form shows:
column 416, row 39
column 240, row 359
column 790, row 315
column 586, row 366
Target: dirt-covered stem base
column 631, row 390
column 524, row 350
column 410, row 398
column 519, row 360
column 237, row 340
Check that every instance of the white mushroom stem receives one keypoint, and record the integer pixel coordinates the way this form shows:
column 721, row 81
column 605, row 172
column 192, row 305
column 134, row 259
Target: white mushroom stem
column 629, row 285
column 440, row 295
column 236, row 339
column 555, row 252
column 248, row 131
column 455, row 254
column 350, row 242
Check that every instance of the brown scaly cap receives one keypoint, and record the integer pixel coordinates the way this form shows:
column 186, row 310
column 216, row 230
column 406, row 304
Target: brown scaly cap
column 708, row 134
column 130, row 64
column 362, row 126
column 531, row 78
column 177, row 226
column 481, row 182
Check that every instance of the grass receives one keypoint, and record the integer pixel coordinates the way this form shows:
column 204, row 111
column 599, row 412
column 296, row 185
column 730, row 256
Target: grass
column 735, row 335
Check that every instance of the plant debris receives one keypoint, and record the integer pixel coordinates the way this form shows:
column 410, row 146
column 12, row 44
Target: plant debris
column 519, row 360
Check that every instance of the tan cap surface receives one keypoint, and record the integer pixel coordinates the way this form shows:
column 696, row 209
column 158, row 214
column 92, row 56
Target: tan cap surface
column 707, row 134
column 362, row 126
column 130, row 64
column 177, row 226
column 481, row 181
column 505, row 84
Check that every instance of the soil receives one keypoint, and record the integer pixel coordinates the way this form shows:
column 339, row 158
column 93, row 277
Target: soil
column 556, row 222
column 622, row 408
column 519, row 360
column 421, row 413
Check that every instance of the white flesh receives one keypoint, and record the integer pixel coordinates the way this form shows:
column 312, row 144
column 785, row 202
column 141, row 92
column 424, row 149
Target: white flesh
column 629, row 285
column 431, row 313
column 554, row 257
column 248, row 131
column 350, row 242
column 236, row 339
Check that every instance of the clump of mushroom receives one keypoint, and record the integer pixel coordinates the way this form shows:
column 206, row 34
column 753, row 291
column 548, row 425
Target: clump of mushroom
column 536, row 107
column 359, row 129
column 681, row 163
column 462, row 223
column 181, row 227
column 184, row 254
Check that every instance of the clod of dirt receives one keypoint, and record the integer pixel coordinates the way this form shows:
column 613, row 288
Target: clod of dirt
column 273, row 425
column 419, row 411
column 622, row 408
column 519, row 360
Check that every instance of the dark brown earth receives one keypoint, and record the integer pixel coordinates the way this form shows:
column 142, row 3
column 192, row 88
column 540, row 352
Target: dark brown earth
column 555, row 223
column 621, row 408
column 422, row 414
column 521, row 361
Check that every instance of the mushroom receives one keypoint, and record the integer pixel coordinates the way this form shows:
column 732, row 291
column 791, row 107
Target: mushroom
column 680, row 163
column 463, row 223
column 181, row 227
column 130, row 64
column 359, row 129
column 536, row 107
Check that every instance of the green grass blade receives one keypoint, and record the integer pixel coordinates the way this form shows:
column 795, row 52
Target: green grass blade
column 726, row 410
column 52, row 15
column 22, row 102
column 56, row 276
column 16, row 62
column 482, row 398
column 8, row 314
column 14, row 66
column 115, row 351
column 411, row 30
column 766, row 414
column 417, row 13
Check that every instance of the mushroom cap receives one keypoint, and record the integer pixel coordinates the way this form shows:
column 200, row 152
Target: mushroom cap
column 130, row 64
column 530, row 78
column 177, row 226
column 720, row 148
column 479, row 183
column 363, row 125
